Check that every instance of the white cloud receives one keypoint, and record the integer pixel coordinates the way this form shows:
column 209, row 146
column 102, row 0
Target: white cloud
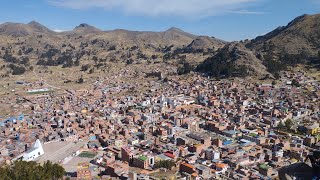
column 59, row 30
column 183, row 8
column 247, row 12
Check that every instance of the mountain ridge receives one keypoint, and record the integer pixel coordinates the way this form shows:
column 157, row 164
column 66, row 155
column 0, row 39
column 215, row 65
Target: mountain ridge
column 302, row 33
column 286, row 46
column 297, row 42
column 23, row 46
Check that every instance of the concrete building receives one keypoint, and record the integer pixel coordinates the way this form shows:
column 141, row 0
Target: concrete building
column 34, row 152
column 210, row 154
column 141, row 162
column 83, row 171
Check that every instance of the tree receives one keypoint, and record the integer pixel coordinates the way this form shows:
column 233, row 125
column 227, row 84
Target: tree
column 95, row 59
column 91, row 71
column 85, row 67
column 129, row 61
column 77, row 62
column 57, row 172
column 185, row 69
column 168, row 164
column 288, row 124
column 295, row 83
column 274, row 83
column 16, row 69
column 19, row 52
column 80, row 80
column 259, row 56
column 53, row 171
column 23, row 170
column 25, row 61
column 154, row 56
column 112, row 48
column 281, row 125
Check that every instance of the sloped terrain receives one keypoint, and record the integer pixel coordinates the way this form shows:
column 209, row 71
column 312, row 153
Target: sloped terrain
column 301, row 34
column 284, row 47
column 24, row 46
column 234, row 60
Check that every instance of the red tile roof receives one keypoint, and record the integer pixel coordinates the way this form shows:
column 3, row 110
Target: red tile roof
column 169, row 155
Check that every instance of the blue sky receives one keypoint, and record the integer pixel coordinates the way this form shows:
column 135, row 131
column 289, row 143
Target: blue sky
column 224, row 19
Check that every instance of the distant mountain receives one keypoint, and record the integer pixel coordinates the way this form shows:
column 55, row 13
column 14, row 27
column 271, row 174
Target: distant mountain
column 86, row 28
column 203, row 42
column 19, row 29
column 172, row 36
column 39, row 27
column 296, row 43
column 177, row 31
column 25, row 45
column 301, row 34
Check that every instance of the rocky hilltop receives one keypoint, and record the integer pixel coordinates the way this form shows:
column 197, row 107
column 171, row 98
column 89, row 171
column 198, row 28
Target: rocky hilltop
column 25, row 46
column 234, row 59
column 286, row 46
column 300, row 35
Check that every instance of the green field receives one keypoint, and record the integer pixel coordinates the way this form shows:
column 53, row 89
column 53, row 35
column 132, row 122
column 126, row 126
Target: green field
column 40, row 92
column 87, row 154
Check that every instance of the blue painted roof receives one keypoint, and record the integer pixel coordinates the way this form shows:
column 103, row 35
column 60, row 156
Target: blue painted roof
column 11, row 119
column 227, row 142
column 21, row 117
column 92, row 138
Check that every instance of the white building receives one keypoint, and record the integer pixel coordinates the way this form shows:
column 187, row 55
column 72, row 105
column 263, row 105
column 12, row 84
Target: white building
column 278, row 153
column 210, row 154
column 34, row 152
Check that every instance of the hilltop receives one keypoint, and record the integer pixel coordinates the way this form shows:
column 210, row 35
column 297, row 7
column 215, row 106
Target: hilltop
column 23, row 47
column 300, row 35
column 283, row 48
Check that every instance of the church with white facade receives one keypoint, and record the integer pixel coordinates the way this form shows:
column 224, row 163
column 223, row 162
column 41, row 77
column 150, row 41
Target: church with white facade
column 34, row 152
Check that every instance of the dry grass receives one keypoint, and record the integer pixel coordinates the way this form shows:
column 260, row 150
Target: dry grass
column 165, row 175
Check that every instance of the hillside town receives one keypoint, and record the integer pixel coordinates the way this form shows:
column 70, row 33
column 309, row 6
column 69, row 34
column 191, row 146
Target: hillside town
column 175, row 128
column 160, row 90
